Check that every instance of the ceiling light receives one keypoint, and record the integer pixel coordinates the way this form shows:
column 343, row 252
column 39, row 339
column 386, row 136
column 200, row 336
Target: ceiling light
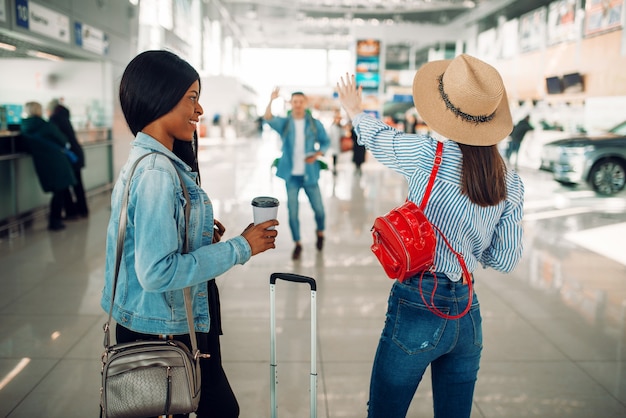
column 8, row 47
column 44, row 55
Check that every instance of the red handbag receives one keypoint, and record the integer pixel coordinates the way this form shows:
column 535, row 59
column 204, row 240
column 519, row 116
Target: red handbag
column 405, row 240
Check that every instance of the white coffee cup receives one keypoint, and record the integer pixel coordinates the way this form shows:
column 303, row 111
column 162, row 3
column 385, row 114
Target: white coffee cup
column 264, row 208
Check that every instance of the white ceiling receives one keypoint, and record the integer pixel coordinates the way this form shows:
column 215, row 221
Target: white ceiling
column 333, row 23
column 330, row 24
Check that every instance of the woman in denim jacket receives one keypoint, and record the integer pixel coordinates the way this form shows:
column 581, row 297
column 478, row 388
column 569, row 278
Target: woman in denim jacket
column 159, row 97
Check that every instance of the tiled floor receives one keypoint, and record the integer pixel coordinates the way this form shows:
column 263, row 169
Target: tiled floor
column 554, row 329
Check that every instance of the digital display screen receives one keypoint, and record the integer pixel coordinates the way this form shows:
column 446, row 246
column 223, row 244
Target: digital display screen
column 553, row 85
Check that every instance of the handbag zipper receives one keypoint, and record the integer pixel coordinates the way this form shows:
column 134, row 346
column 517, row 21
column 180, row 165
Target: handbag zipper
column 407, row 256
column 168, row 397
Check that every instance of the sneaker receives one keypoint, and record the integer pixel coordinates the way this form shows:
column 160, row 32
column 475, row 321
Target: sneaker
column 320, row 242
column 296, row 252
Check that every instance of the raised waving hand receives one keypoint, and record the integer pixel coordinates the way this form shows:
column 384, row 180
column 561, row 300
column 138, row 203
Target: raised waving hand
column 350, row 95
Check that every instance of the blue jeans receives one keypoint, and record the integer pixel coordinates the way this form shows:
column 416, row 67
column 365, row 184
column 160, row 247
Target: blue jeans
column 294, row 184
column 414, row 337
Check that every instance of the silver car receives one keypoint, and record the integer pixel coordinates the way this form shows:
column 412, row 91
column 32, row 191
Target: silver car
column 599, row 161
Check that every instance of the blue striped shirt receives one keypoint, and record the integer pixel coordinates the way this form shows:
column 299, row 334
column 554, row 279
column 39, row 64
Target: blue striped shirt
column 491, row 236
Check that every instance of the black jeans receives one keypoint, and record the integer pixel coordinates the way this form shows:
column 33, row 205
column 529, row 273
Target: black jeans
column 76, row 205
column 56, row 207
column 217, row 399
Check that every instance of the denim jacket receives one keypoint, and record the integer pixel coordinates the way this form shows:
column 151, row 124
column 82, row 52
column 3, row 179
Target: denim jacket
column 315, row 136
column 153, row 271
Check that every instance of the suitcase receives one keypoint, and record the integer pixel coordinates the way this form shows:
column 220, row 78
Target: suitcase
column 273, row 369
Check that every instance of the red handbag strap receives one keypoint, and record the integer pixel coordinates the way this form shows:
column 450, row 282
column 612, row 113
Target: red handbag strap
column 466, row 274
column 467, row 277
column 433, row 174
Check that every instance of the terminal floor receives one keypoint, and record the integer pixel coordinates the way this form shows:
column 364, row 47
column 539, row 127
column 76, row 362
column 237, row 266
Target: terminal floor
column 554, row 329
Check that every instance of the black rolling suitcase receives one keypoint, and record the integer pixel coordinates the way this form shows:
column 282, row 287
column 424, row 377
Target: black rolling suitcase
column 273, row 369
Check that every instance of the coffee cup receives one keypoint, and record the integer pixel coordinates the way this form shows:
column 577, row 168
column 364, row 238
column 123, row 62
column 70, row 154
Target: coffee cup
column 264, row 208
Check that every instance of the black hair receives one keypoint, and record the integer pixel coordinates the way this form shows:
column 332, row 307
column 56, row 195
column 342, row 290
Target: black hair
column 188, row 152
column 152, row 84
column 298, row 93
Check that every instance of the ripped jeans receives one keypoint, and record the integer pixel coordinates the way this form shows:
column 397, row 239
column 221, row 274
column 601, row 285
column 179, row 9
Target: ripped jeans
column 414, row 338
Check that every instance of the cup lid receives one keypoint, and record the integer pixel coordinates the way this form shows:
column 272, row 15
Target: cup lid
column 265, row 202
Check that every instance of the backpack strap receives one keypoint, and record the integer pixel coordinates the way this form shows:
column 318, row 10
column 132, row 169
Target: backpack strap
column 433, row 174
column 467, row 277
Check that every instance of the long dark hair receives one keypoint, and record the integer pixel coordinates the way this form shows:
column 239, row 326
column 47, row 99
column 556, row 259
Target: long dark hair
column 188, row 152
column 152, row 84
column 483, row 177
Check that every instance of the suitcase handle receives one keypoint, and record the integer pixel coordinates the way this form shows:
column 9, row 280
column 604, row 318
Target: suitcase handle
column 273, row 366
column 291, row 277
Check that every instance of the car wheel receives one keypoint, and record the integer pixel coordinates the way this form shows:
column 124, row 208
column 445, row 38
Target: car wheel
column 607, row 177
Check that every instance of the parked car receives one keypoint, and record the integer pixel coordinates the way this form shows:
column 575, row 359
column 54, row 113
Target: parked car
column 598, row 160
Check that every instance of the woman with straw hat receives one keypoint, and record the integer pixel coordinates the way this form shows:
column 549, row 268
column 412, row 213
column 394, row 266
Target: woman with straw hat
column 476, row 204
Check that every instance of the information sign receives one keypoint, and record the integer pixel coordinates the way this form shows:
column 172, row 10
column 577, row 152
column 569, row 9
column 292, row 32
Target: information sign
column 39, row 19
column 91, row 39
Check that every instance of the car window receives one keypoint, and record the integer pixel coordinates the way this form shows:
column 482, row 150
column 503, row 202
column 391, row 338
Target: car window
column 620, row 129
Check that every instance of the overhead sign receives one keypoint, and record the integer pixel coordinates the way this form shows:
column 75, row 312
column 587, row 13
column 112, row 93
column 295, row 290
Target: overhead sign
column 91, row 39
column 40, row 19
column 368, row 74
column 368, row 64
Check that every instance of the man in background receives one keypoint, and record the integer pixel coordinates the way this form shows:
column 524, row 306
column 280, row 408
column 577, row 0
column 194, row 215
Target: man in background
column 304, row 139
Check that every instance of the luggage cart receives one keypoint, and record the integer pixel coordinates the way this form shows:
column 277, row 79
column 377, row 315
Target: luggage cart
column 273, row 369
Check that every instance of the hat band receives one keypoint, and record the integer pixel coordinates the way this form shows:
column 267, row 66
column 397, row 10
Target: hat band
column 457, row 111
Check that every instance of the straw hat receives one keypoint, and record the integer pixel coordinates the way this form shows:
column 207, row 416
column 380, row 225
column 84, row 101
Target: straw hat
column 463, row 99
